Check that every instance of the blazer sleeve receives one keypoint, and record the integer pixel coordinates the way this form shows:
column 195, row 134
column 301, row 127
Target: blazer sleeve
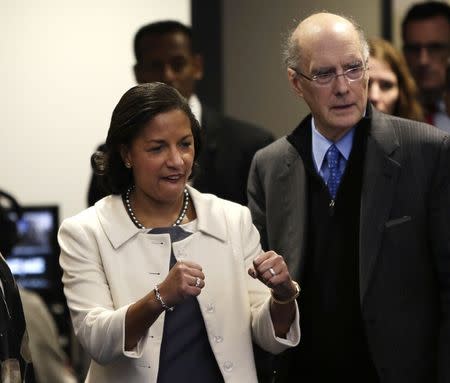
column 98, row 324
column 440, row 241
column 262, row 327
column 256, row 200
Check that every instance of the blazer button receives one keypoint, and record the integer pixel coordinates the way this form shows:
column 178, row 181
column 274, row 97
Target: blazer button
column 210, row 308
column 218, row 339
column 228, row 366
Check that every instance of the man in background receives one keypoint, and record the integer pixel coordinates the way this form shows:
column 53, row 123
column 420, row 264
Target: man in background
column 426, row 45
column 165, row 52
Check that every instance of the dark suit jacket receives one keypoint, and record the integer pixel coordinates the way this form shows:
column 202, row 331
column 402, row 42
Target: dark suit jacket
column 223, row 164
column 227, row 153
column 404, row 250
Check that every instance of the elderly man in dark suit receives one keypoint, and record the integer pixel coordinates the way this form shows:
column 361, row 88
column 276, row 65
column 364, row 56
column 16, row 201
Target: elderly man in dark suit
column 165, row 52
column 358, row 203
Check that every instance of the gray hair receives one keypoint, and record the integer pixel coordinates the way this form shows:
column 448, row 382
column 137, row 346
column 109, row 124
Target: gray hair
column 292, row 52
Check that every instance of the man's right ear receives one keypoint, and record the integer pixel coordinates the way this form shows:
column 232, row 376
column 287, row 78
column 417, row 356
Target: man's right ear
column 198, row 66
column 295, row 82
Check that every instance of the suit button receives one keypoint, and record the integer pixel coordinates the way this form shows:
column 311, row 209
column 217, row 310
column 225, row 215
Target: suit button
column 228, row 366
column 218, row 339
column 210, row 308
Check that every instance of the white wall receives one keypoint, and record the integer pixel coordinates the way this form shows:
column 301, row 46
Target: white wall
column 63, row 67
column 255, row 81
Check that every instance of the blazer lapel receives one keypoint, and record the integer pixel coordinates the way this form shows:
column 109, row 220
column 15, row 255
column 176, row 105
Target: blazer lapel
column 207, row 160
column 293, row 210
column 380, row 178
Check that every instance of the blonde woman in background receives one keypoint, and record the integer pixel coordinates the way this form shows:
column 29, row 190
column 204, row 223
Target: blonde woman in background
column 392, row 89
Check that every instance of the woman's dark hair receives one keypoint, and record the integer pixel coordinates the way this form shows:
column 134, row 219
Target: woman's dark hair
column 135, row 109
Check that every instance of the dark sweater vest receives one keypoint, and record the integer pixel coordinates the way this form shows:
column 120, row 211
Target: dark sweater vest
column 333, row 340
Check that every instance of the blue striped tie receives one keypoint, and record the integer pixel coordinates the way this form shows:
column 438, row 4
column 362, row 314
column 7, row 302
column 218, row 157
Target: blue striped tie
column 333, row 161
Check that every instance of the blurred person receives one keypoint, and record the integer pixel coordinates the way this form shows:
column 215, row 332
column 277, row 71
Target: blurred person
column 164, row 282
column 358, row 203
column 426, row 45
column 165, row 52
column 447, row 90
column 392, row 89
column 50, row 363
column 15, row 356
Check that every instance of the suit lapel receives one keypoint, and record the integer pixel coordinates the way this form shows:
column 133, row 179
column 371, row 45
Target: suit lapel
column 211, row 127
column 293, row 194
column 379, row 181
column 293, row 209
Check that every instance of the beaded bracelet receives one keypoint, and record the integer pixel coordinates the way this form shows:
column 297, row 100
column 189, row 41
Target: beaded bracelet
column 289, row 300
column 161, row 301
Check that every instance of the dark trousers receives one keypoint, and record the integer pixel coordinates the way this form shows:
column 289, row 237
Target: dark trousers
column 291, row 366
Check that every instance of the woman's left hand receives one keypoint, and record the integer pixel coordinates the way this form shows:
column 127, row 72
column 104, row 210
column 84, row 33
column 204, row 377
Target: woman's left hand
column 270, row 269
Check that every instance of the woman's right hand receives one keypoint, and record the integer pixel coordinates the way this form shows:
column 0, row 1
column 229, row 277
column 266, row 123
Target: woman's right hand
column 185, row 279
column 179, row 284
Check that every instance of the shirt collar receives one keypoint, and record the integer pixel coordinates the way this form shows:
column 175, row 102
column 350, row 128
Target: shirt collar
column 320, row 145
column 119, row 228
column 440, row 106
column 196, row 107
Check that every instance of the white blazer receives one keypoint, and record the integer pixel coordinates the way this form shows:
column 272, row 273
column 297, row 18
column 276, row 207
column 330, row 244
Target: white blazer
column 108, row 263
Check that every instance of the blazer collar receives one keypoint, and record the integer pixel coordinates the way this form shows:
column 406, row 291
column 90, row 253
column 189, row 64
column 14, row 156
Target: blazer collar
column 383, row 132
column 210, row 214
column 119, row 228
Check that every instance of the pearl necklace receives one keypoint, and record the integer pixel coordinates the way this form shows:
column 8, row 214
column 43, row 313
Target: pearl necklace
column 140, row 225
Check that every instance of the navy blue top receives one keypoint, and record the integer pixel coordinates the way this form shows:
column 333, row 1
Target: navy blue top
column 186, row 355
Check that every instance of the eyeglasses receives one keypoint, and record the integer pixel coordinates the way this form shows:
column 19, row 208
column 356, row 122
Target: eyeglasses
column 433, row 49
column 352, row 74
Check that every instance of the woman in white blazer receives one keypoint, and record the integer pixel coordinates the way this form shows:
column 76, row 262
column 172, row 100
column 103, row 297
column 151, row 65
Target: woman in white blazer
column 164, row 282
